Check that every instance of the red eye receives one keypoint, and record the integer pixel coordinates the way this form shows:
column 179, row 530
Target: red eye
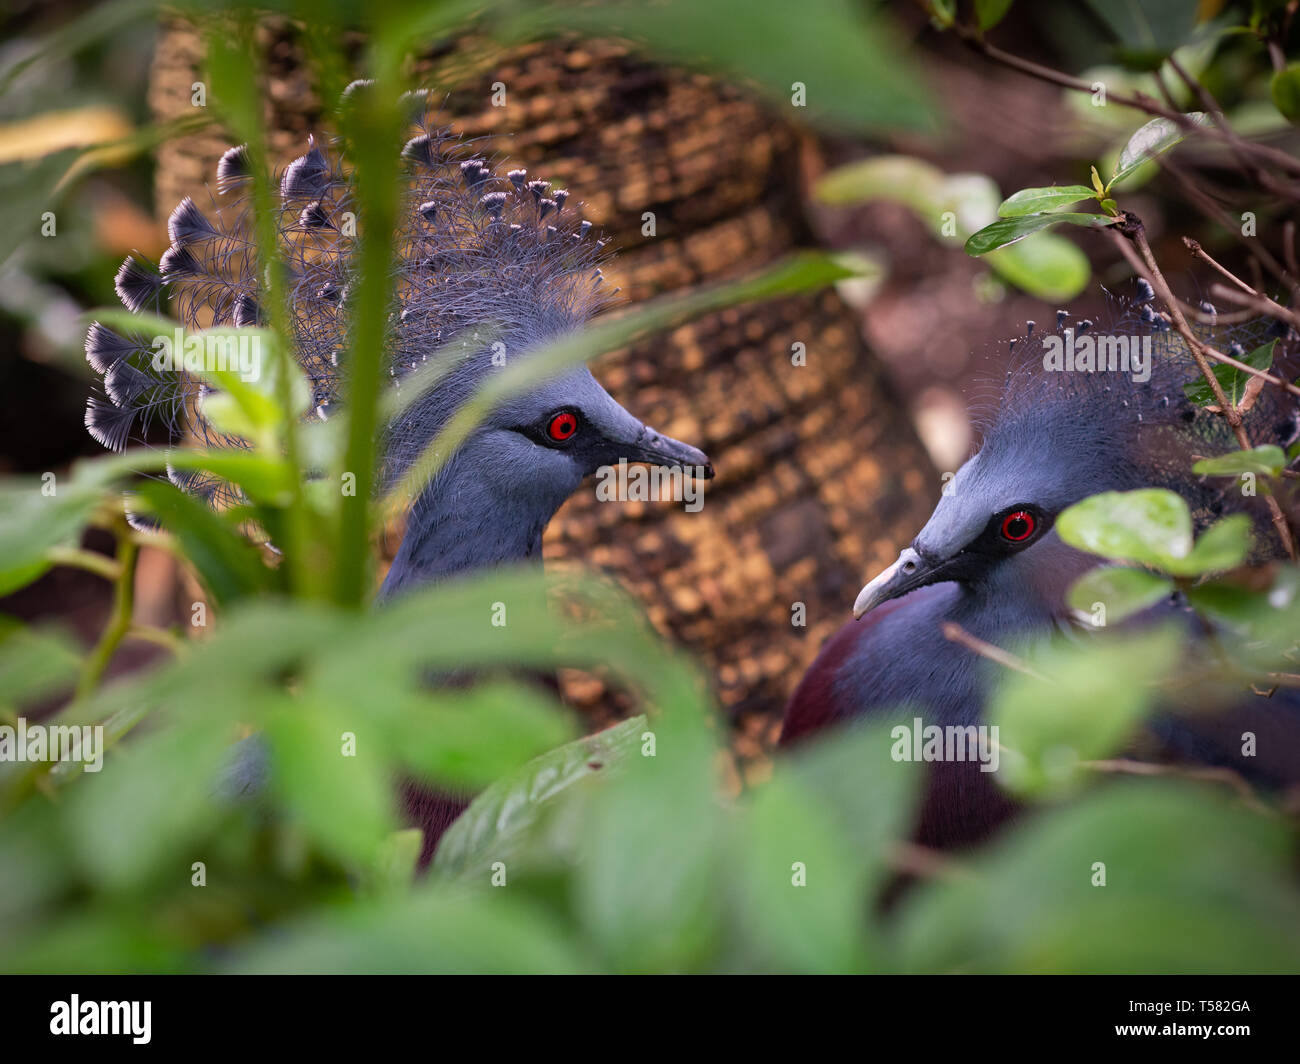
column 1018, row 526
column 562, row 426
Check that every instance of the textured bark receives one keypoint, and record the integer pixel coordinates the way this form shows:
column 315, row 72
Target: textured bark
column 821, row 477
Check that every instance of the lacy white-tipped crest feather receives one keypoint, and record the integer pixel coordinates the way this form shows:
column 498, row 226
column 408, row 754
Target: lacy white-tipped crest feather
column 474, row 249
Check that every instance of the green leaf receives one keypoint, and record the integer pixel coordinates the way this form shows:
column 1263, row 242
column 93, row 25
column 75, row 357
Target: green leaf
column 330, row 770
column 1147, row 32
column 952, row 205
column 497, row 825
column 827, row 820
column 458, row 740
column 229, row 566
column 943, row 13
column 988, row 13
column 1233, row 381
column 1175, row 855
column 149, row 803
column 1153, row 139
column 801, row 886
column 429, row 931
column 900, row 178
column 1224, row 545
column 852, row 60
column 1038, row 200
column 1122, row 591
column 1046, row 266
column 31, row 522
column 35, row 663
column 1150, row 526
column 1266, row 460
column 646, row 878
column 394, row 869
column 1009, row 230
column 1084, row 704
column 1285, row 90
column 1153, row 526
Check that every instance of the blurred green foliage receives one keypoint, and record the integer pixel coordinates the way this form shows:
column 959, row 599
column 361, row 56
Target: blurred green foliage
column 618, row 852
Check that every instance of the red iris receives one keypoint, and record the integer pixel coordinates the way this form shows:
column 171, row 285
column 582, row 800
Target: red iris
column 562, row 426
column 1018, row 526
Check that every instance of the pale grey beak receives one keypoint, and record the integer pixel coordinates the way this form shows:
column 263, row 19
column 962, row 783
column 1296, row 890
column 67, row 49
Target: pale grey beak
column 900, row 578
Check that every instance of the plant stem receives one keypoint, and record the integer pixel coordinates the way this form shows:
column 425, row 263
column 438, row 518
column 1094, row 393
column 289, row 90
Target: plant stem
column 955, row 633
column 119, row 621
column 88, row 560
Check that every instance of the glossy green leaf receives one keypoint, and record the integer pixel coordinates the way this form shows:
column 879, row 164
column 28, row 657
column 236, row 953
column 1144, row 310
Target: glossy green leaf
column 1009, row 230
column 1224, row 545
column 1119, row 590
column 1153, row 139
column 1266, row 460
column 497, row 824
column 1038, row 200
column 1233, row 381
column 1153, row 526
column 1150, row 526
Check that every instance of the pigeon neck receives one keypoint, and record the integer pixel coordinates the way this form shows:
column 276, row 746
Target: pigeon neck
column 455, row 528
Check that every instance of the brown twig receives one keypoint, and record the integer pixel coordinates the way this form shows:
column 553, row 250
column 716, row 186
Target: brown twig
column 1239, row 145
column 1200, row 316
column 1218, row 213
column 924, row 863
column 1131, row 228
column 1258, row 304
column 955, row 633
column 1225, row 776
column 974, row 39
column 1270, row 307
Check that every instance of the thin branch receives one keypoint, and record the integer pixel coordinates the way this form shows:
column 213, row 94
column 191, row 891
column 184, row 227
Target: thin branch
column 1225, row 776
column 1217, row 212
column 1259, row 304
column 974, row 38
column 955, row 633
column 1241, row 147
column 1200, row 316
column 1131, row 227
column 924, row 863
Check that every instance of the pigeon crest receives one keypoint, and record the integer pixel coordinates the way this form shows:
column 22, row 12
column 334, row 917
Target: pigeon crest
column 506, row 255
column 1080, row 426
